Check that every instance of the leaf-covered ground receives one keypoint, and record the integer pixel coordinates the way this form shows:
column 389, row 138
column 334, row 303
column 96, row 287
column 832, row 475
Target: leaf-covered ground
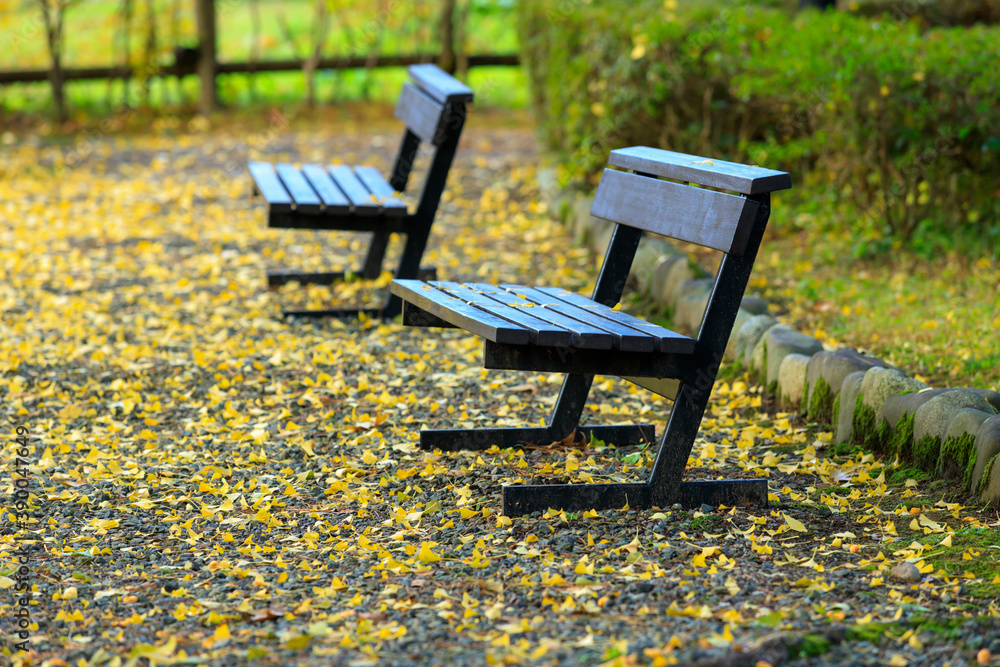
column 212, row 484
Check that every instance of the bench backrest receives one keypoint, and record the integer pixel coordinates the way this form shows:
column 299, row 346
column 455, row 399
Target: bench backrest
column 731, row 223
column 705, row 217
column 433, row 108
column 428, row 105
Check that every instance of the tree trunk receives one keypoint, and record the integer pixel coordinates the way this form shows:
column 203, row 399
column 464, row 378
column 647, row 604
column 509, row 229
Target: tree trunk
column 149, row 65
column 319, row 39
column 53, row 30
column 447, row 59
column 255, row 44
column 461, row 57
column 127, row 51
column 207, row 65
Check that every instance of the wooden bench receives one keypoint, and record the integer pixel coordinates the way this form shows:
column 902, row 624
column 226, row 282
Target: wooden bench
column 350, row 198
column 548, row 330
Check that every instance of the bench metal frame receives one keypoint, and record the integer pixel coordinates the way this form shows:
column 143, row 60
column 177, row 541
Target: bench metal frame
column 434, row 108
column 687, row 378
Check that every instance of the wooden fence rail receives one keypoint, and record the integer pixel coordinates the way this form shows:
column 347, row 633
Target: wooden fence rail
column 352, row 62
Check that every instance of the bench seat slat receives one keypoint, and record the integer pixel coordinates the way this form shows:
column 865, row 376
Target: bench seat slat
column 354, row 189
column 668, row 341
column 455, row 311
column 439, row 84
column 270, row 187
column 712, row 219
column 378, row 186
column 306, row 199
column 332, row 197
column 671, row 341
column 626, row 338
column 703, row 171
column 541, row 332
column 587, row 335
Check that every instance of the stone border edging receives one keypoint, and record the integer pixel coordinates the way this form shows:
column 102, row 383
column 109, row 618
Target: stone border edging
column 953, row 434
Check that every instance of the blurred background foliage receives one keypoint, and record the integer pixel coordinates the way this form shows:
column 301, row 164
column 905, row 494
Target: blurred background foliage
column 146, row 35
column 891, row 108
column 887, row 111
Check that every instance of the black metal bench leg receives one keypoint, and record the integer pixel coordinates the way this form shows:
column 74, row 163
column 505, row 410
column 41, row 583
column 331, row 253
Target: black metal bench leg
column 664, row 486
column 376, row 253
column 370, row 271
column 564, row 421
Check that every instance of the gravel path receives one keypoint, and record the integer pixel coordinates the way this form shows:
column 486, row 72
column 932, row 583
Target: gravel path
column 212, row 484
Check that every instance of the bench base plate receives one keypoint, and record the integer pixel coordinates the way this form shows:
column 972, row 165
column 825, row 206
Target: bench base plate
column 453, row 440
column 520, row 500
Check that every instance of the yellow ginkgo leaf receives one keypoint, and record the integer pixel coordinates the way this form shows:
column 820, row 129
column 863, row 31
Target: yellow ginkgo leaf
column 426, row 555
column 795, row 524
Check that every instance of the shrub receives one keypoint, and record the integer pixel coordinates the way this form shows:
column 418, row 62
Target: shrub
column 903, row 125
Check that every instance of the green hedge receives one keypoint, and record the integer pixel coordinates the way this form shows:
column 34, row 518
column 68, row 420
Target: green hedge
column 902, row 125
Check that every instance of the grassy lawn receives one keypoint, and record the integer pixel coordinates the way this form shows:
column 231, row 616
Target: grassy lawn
column 935, row 316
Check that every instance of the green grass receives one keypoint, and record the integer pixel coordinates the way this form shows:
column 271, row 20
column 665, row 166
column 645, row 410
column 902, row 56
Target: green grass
column 972, row 550
column 931, row 312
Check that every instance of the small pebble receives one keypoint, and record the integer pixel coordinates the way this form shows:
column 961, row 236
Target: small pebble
column 905, row 572
column 706, row 508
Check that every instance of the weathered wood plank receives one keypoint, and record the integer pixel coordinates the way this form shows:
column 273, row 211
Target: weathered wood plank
column 270, row 187
column 378, row 186
column 421, row 114
column 306, row 199
column 457, row 312
column 712, row 219
column 355, row 190
column 703, row 171
column 584, row 335
column 670, row 341
column 439, row 84
column 332, row 197
column 541, row 332
column 627, row 339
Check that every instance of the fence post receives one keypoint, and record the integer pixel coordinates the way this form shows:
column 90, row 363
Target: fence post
column 207, row 65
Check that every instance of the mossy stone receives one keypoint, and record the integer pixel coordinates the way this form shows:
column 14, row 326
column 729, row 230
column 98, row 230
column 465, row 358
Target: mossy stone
column 989, row 486
column 750, row 334
column 847, row 402
column 991, row 395
column 820, row 400
column 832, row 366
column 987, row 446
column 791, row 381
column 907, row 404
column 781, row 342
column 881, row 383
column 742, row 317
column 953, row 462
column 932, row 418
column 959, row 445
column 864, row 425
column 926, row 452
column 899, row 439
